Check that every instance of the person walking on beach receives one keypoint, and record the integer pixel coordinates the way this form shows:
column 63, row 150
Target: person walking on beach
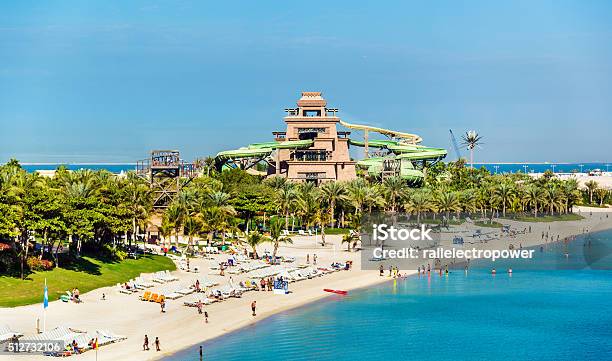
column 205, row 316
column 199, row 306
column 381, row 270
column 145, row 345
column 162, row 304
column 253, row 307
column 157, row 344
column 308, row 258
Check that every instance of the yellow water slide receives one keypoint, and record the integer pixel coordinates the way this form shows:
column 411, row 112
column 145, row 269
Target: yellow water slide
column 403, row 138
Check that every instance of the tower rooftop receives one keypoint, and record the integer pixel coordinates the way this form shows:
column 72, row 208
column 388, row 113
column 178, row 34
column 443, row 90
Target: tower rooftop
column 311, row 99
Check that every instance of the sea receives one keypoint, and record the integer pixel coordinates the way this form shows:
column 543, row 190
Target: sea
column 492, row 167
column 535, row 313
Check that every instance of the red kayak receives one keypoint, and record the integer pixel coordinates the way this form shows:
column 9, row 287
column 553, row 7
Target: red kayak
column 340, row 292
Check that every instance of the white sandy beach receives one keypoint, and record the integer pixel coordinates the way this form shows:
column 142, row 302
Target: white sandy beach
column 181, row 326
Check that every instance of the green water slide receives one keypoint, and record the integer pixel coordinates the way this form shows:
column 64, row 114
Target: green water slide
column 405, row 154
column 250, row 155
column 262, row 149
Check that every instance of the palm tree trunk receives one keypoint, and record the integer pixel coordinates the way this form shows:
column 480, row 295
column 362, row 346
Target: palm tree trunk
column 286, row 220
column 275, row 250
column 472, row 157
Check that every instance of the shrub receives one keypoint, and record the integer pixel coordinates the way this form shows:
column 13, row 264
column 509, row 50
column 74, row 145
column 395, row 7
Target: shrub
column 36, row 264
column 112, row 254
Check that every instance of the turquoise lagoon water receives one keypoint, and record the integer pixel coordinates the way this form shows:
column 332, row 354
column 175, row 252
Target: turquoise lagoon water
column 553, row 314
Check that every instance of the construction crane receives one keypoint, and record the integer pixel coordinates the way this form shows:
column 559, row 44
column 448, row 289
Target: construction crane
column 455, row 145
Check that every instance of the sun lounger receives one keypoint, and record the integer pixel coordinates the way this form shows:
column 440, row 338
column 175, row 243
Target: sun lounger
column 172, row 295
column 108, row 336
column 145, row 296
column 169, row 276
column 141, row 282
column 154, row 298
column 159, row 277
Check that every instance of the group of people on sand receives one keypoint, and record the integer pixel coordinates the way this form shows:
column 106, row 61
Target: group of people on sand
column 314, row 258
column 201, row 310
column 145, row 345
column 266, row 284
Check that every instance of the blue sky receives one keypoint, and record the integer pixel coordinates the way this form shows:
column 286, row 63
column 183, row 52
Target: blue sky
column 102, row 81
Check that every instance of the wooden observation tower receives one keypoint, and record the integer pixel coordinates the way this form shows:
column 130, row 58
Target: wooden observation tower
column 167, row 174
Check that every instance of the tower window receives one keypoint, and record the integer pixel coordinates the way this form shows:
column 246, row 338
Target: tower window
column 312, row 113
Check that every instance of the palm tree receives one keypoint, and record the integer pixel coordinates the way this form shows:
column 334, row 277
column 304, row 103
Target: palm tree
column 285, row 199
column 591, row 186
column 471, row 139
column 373, row 197
column 348, row 239
column 191, row 228
column 276, row 237
column 503, row 193
column 553, row 198
column 534, row 196
column 357, row 194
column 307, row 203
column 419, row 203
column 174, row 214
column 469, row 200
column 254, row 239
column 209, row 164
column 165, row 229
column 448, row 202
column 276, row 182
column 140, row 202
column 571, row 193
column 601, row 193
column 332, row 193
column 394, row 189
column 322, row 217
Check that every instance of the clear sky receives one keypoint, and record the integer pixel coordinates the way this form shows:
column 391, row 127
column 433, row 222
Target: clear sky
column 106, row 81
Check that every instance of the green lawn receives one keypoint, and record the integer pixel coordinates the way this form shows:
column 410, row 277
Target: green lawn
column 337, row 230
column 86, row 274
column 562, row 217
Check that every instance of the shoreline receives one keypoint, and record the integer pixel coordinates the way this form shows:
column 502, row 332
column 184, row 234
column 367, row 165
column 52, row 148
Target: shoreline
column 181, row 328
column 303, row 303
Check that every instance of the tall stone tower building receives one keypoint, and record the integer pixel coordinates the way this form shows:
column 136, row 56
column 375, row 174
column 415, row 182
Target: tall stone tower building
column 328, row 158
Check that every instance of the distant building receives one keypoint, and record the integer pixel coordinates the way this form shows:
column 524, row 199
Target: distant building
column 328, row 157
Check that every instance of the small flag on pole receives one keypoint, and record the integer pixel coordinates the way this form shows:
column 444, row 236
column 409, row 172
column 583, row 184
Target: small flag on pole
column 46, row 296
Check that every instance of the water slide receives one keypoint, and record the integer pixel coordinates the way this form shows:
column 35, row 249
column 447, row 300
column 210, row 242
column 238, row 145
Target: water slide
column 403, row 148
column 404, row 138
column 258, row 150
